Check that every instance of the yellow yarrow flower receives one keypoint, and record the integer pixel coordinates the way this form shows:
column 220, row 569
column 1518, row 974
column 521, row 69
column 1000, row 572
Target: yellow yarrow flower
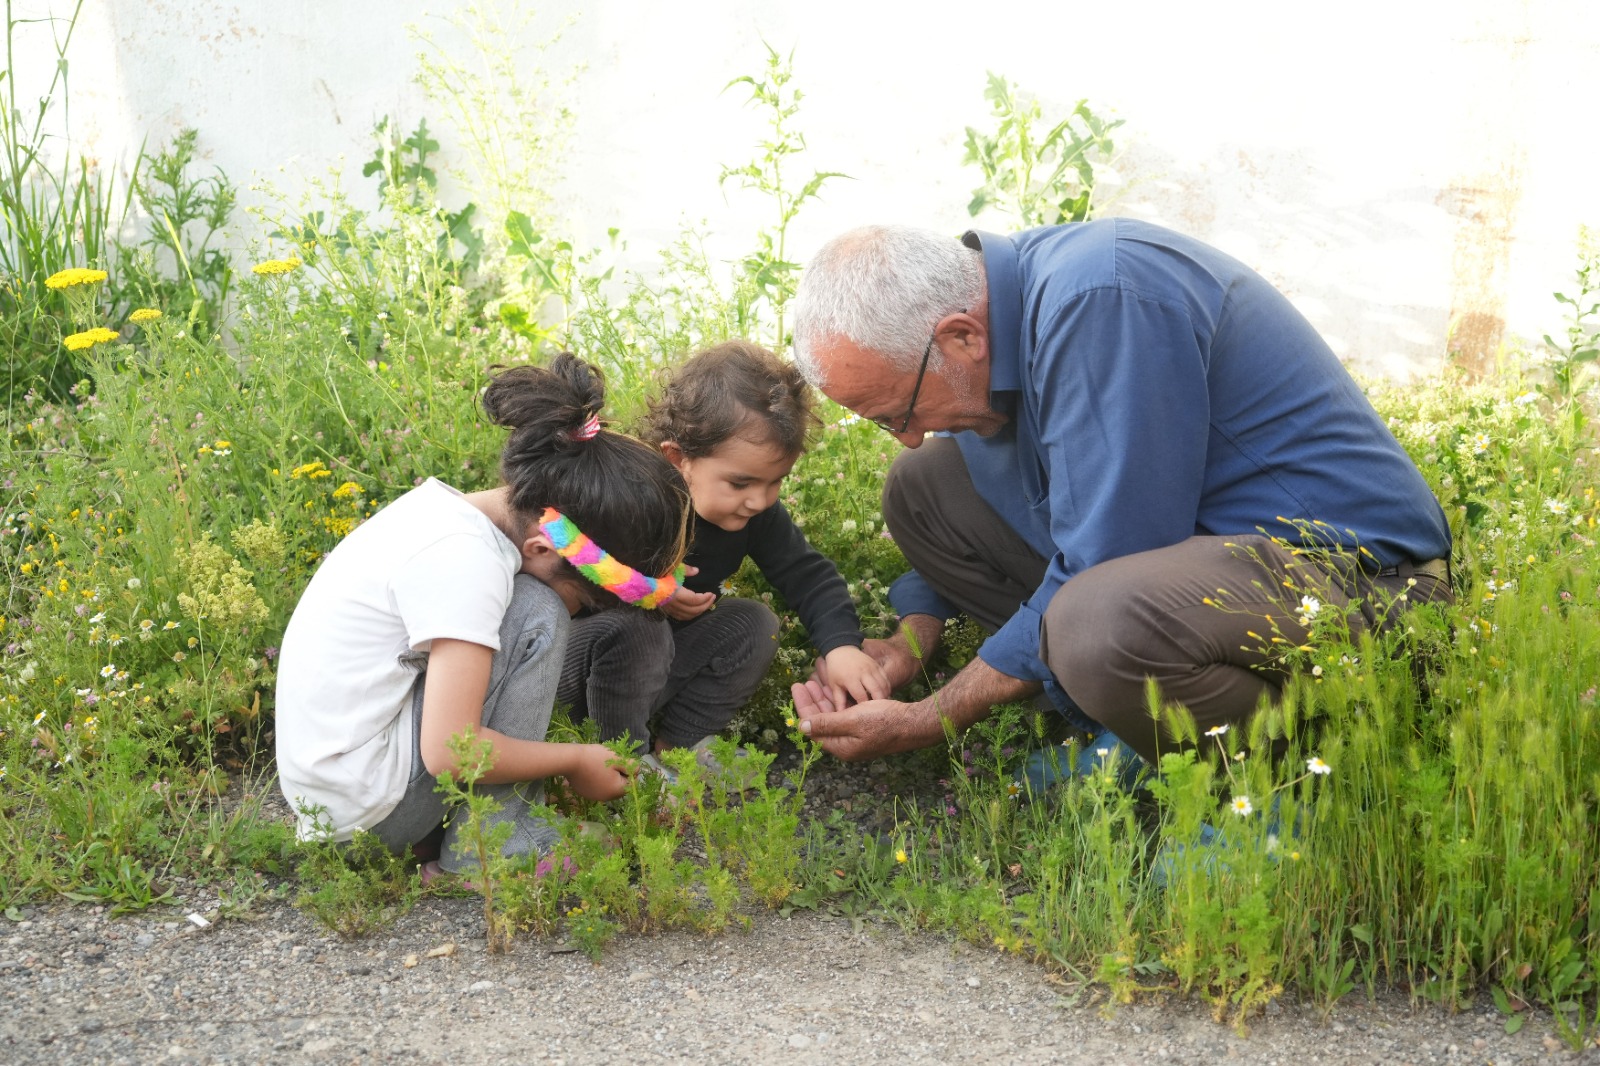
column 143, row 315
column 276, row 266
column 349, row 488
column 66, row 279
column 77, row 342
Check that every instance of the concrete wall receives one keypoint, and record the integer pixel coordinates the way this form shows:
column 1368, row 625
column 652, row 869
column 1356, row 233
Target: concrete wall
column 1411, row 172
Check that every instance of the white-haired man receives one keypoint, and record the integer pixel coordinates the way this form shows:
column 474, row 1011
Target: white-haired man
column 1141, row 456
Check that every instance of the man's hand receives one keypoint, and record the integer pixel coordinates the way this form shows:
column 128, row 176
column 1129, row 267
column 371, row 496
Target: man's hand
column 594, row 772
column 881, row 727
column 866, row 730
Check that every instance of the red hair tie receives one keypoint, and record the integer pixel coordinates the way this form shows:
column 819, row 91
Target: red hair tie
column 590, row 428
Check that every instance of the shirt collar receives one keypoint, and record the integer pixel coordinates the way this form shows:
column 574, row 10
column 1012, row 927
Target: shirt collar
column 1005, row 308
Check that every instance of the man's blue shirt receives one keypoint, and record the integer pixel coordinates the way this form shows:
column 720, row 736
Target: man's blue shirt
column 1159, row 389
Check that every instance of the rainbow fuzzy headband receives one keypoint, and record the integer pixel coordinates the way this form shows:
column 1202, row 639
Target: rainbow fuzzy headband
column 611, row 574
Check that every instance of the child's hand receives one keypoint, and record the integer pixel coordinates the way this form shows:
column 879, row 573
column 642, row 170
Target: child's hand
column 685, row 605
column 854, row 677
column 594, row 774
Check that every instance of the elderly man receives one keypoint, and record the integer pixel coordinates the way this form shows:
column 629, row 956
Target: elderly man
column 1145, row 463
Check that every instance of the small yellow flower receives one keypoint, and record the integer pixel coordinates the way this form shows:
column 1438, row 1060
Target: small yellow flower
column 901, row 856
column 349, row 488
column 143, row 315
column 170, row 625
column 276, row 266
column 77, row 342
column 66, row 279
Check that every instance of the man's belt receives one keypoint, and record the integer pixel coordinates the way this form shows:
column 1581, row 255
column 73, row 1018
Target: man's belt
column 1438, row 569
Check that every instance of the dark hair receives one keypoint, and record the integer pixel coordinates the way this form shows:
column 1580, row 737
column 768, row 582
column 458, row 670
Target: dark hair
column 734, row 389
column 619, row 491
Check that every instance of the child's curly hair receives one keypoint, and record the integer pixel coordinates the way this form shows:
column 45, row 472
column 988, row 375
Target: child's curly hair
column 735, row 389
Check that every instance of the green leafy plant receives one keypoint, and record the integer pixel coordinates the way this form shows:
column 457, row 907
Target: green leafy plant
column 768, row 270
column 1572, row 358
column 178, row 266
column 357, row 887
column 481, row 836
column 58, row 209
column 1040, row 176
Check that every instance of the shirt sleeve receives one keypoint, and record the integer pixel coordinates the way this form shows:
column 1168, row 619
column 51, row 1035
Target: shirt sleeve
column 910, row 593
column 1118, row 386
column 807, row 580
column 456, row 588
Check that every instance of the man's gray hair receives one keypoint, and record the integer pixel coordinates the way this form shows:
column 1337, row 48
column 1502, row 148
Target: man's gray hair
column 883, row 289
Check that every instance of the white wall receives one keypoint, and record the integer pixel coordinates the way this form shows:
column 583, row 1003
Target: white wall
column 1410, row 172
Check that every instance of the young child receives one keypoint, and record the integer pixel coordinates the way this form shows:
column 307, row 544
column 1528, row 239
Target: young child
column 733, row 420
column 448, row 611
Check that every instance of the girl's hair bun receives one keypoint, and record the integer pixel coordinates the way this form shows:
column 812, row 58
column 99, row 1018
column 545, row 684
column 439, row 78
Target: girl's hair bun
column 546, row 408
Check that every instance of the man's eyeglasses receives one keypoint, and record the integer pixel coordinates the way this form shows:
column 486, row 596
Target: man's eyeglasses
column 916, row 390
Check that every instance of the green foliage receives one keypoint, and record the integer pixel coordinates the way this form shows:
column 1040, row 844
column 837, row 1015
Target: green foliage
column 767, row 270
column 355, row 888
column 1573, row 357
column 55, row 212
column 1039, row 176
column 177, row 267
column 480, row 836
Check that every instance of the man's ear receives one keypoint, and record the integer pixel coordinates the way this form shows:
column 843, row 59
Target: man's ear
column 964, row 335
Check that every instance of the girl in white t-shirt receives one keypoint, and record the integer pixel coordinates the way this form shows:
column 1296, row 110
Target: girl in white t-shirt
column 448, row 612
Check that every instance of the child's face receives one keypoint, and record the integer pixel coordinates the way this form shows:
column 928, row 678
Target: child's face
column 734, row 483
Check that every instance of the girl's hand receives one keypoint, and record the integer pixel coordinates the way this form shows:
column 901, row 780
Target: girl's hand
column 594, row 772
column 853, row 676
column 685, row 605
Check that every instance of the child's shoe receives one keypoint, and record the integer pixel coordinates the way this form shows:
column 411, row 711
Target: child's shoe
column 739, row 775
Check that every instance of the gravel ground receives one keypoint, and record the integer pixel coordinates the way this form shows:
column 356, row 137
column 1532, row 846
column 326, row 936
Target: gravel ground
column 82, row 987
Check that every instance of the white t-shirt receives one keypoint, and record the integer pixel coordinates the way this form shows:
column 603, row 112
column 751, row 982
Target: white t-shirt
column 428, row 566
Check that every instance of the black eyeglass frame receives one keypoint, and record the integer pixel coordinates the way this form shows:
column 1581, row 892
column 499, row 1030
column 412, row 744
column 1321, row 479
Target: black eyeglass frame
column 916, row 390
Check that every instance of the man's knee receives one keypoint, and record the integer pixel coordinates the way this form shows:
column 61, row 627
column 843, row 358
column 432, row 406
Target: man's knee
column 913, row 483
column 1089, row 629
